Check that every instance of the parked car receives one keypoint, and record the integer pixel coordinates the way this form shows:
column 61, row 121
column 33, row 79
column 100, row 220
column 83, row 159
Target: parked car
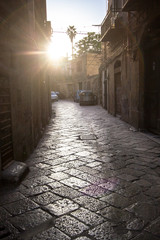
column 76, row 97
column 87, row 97
column 54, row 96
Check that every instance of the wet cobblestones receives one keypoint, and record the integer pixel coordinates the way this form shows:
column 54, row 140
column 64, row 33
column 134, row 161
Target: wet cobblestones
column 92, row 177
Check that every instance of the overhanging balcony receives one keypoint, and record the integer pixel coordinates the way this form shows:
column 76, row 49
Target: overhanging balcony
column 111, row 26
column 133, row 5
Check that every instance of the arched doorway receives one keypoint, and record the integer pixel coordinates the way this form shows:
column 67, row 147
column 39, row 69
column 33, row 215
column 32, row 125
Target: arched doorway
column 151, row 49
column 118, row 88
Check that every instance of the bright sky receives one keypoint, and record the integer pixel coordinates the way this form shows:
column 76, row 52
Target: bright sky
column 79, row 13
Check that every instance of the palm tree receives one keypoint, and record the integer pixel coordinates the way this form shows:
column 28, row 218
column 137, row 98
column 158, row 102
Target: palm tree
column 71, row 32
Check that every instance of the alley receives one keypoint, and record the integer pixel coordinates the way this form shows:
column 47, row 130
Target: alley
column 92, row 176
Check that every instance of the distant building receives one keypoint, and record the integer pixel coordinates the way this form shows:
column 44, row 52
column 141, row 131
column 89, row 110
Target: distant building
column 24, row 78
column 77, row 74
column 85, row 72
column 130, row 70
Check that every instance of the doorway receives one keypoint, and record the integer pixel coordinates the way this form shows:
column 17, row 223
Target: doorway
column 118, row 87
column 152, row 89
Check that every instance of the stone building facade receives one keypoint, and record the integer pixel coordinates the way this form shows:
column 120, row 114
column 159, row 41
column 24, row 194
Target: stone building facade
column 130, row 69
column 25, row 106
column 77, row 74
column 85, row 72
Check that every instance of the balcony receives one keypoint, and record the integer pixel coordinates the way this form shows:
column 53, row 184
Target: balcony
column 111, row 26
column 133, row 5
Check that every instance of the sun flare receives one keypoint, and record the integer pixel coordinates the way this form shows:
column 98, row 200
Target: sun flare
column 53, row 52
column 57, row 49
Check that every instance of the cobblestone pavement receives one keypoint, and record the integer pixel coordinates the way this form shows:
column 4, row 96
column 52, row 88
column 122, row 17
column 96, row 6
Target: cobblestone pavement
column 91, row 177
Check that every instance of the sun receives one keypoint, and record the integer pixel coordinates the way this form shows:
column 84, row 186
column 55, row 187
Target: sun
column 57, row 49
column 53, row 52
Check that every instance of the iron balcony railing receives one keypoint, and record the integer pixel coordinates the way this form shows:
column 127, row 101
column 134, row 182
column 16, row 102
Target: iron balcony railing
column 111, row 24
column 106, row 24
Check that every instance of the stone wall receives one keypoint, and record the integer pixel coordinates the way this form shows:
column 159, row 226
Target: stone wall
column 28, row 75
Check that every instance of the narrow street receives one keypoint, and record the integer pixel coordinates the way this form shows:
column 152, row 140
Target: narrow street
column 92, row 177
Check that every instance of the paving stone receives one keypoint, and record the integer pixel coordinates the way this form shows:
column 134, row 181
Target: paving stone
column 128, row 177
column 33, row 190
column 152, row 178
column 82, row 238
column 130, row 191
column 110, row 186
column 20, row 206
column 88, row 170
column 143, row 183
column 154, row 191
column 10, row 197
column 61, row 207
column 43, row 180
column 135, row 225
column 4, row 214
column 65, row 191
column 51, row 234
column 93, row 164
column 138, row 166
column 73, row 171
column 83, row 153
column 107, row 231
column 130, row 173
column 55, row 184
column 145, row 236
column 59, row 169
column 74, row 164
column 141, row 198
column 116, row 200
column 118, row 164
column 46, row 198
column 59, row 176
column 87, row 217
column 145, row 211
column 90, row 178
column 8, row 232
column 154, row 227
column 30, row 219
column 90, row 203
column 107, row 189
column 70, row 225
column 95, row 191
column 74, row 182
column 34, row 172
column 116, row 215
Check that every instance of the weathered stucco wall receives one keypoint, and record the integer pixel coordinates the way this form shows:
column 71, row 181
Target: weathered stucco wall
column 27, row 73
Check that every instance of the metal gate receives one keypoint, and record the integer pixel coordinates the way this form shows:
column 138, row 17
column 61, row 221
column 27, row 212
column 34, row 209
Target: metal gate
column 6, row 147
